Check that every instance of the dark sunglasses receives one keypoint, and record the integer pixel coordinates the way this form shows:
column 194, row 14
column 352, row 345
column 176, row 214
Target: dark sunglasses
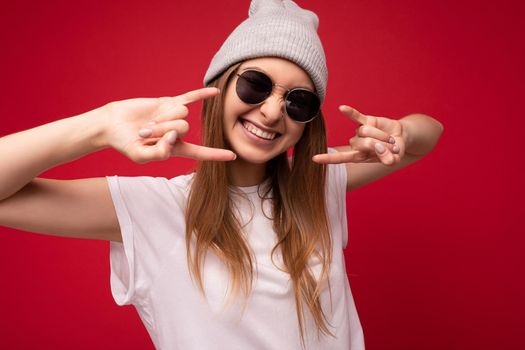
column 254, row 87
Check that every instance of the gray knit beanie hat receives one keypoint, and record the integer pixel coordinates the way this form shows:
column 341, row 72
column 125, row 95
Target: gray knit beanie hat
column 277, row 28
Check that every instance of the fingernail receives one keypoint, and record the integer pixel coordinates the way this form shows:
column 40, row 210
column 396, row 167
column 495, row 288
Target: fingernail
column 145, row 132
column 380, row 148
column 172, row 137
column 219, row 90
column 234, row 156
column 151, row 123
column 391, row 140
column 395, row 149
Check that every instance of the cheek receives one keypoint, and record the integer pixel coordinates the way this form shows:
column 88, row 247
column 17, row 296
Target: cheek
column 295, row 130
column 228, row 114
column 232, row 107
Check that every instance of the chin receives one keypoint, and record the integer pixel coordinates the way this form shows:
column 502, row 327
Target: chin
column 255, row 157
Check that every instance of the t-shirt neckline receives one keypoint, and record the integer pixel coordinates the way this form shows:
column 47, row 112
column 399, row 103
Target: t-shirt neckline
column 251, row 189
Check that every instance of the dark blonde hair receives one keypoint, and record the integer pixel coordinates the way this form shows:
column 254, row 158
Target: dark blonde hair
column 299, row 213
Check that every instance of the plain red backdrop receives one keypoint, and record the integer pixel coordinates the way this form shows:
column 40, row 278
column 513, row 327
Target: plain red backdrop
column 435, row 250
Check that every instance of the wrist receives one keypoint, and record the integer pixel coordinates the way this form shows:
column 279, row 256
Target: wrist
column 95, row 128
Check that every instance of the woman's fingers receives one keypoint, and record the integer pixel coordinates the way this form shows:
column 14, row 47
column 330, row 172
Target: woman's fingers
column 171, row 108
column 181, row 126
column 362, row 150
column 177, row 112
column 169, row 145
column 353, row 114
column 153, row 149
column 374, row 149
column 373, row 132
column 376, row 143
column 196, row 95
column 339, row 157
column 375, row 138
column 385, row 155
column 175, row 107
column 190, row 150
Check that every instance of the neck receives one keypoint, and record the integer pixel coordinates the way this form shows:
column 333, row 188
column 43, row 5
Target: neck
column 244, row 174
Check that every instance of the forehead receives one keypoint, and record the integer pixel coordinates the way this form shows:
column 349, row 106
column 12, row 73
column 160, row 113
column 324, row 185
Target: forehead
column 281, row 71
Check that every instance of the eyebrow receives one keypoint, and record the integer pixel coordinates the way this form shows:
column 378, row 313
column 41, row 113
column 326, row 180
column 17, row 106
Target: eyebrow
column 262, row 70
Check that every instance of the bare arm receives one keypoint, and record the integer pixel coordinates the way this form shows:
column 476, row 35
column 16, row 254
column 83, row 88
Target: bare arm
column 382, row 145
column 28, row 153
column 74, row 208
column 422, row 134
column 83, row 208
column 80, row 208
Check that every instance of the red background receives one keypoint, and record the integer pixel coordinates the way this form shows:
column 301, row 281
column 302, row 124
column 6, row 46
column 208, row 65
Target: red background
column 435, row 250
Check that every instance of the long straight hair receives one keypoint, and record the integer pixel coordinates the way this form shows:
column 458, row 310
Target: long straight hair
column 298, row 207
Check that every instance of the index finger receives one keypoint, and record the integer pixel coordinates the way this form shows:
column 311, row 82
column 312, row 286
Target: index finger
column 353, row 114
column 196, row 95
column 338, row 157
column 190, row 150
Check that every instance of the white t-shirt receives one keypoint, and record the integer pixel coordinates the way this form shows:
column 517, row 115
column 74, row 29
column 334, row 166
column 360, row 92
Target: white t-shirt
column 149, row 270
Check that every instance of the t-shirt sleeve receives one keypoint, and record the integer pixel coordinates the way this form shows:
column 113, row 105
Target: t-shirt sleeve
column 149, row 212
column 336, row 198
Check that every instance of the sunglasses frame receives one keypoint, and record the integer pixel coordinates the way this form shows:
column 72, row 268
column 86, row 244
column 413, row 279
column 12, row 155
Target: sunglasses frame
column 288, row 91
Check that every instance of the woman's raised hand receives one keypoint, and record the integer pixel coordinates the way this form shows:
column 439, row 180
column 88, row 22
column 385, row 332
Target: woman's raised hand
column 377, row 139
column 128, row 122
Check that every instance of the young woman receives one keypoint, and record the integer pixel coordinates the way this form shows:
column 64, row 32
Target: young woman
column 263, row 216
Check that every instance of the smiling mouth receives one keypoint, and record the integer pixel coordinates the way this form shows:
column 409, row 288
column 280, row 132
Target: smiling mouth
column 258, row 132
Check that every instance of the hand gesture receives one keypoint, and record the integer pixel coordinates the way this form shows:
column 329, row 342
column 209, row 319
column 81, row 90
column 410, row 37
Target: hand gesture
column 377, row 139
column 147, row 129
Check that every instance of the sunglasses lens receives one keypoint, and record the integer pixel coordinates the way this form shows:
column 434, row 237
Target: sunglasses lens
column 302, row 105
column 253, row 87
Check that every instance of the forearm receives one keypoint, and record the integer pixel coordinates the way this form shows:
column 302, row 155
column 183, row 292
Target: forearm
column 421, row 133
column 26, row 154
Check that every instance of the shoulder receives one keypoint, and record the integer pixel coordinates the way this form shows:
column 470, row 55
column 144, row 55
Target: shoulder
column 150, row 190
column 182, row 182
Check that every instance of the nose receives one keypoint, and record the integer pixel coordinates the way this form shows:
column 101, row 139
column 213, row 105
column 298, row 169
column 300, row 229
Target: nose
column 273, row 107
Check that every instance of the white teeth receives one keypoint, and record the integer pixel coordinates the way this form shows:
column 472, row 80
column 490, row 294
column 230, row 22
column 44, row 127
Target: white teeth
column 254, row 130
